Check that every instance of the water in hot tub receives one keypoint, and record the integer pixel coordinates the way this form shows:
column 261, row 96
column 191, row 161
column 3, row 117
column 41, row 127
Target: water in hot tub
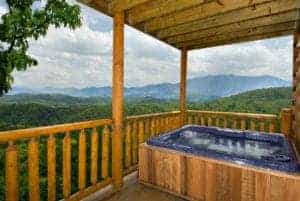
column 229, row 145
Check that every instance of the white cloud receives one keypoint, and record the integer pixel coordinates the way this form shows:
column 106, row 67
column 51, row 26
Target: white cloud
column 265, row 57
column 83, row 57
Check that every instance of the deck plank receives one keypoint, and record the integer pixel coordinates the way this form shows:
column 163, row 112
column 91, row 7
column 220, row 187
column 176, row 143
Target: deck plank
column 138, row 192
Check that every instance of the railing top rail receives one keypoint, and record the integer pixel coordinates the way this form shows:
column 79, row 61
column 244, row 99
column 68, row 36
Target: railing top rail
column 144, row 116
column 234, row 114
column 13, row 135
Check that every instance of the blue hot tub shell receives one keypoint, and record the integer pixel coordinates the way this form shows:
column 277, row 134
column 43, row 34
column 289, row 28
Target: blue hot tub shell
column 272, row 151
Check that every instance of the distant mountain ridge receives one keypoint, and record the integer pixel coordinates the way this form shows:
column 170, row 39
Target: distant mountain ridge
column 200, row 88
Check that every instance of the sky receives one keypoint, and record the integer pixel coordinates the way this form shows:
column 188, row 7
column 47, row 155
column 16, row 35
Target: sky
column 83, row 58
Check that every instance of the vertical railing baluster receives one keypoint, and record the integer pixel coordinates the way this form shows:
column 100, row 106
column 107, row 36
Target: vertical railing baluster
column 167, row 126
column 225, row 123
column 141, row 132
column 152, row 132
column 234, row 124
column 196, row 119
column 157, row 130
column 82, row 161
column 190, row 119
column 262, row 126
column 105, row 152
column 252, row 125
column 134, row 142
column 271, row 127
column 179, row 122
column 67, row 165
column 243, row 124
column 128, row 145
column 163, row 124
column 147, row 128
column 33, row 170
column 94, row 156
column 51, row 160
column 217, row 122
column 11, row 173
column 209, row 121
column 202, row 118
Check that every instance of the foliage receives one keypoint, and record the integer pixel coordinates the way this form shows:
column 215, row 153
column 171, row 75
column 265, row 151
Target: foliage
column 24, row 22
column 23, row 111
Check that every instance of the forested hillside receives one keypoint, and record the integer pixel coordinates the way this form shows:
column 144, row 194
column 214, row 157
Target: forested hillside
column 23, row 111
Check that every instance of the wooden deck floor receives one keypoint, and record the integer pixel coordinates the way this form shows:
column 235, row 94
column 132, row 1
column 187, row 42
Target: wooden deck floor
column 133, row 191
column 139, row 192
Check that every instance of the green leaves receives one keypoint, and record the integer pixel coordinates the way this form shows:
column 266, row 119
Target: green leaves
column 22, row 23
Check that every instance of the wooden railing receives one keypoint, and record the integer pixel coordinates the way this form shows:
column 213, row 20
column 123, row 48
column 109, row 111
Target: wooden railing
column 71, row 177
column 139, row 128
column 72, row 161
column 242, row 121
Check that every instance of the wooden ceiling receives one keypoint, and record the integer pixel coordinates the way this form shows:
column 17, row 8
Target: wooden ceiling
column 196, row 24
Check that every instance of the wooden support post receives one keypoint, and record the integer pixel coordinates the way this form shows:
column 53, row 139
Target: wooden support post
column 296, row 90
column 286, row 122
column 183, row 75
column 117, row 99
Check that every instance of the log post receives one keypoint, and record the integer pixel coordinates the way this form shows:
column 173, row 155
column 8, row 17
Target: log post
column 286, row 122
column 183, row 85
column 117, row 99
column 296, row 90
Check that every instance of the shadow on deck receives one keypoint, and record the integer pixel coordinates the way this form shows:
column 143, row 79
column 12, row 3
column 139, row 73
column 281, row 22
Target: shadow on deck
column 134, row 191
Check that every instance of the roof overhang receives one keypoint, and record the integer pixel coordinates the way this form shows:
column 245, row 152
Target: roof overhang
column 197, row 24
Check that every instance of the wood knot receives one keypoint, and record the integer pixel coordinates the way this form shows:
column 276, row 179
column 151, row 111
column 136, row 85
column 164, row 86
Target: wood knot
column 220, row 2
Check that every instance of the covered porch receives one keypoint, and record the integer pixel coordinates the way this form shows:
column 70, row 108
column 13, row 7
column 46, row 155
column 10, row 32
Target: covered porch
column 107, row 149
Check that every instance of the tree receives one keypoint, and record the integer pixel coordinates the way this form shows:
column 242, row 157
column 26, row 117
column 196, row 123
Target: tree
column 24, row 22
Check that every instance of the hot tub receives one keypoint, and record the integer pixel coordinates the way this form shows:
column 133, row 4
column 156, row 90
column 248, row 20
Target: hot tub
column 242, row 147
column 207, row 163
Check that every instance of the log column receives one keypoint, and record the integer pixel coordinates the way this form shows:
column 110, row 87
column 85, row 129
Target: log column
column 286, row 122
column 183, row 75
column 117, row 99
column 296, row 91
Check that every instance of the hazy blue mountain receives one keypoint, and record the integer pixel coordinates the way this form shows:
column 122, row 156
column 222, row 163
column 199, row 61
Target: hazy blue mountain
column 200, row 88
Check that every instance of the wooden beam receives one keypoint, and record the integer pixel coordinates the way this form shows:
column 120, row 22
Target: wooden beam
column 243, row 39
column 100, row 5
column 183, row 85
column 200, row 12
column 117, row 99
column 122, row 5
column 159, row 8
column 241, row 34
column 240, row 15
column 235, row 27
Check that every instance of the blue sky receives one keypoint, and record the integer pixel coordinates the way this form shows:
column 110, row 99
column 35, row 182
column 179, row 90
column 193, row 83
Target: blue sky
column 83, row 58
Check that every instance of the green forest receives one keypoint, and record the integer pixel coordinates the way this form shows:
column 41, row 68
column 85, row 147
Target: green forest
column 25, row 111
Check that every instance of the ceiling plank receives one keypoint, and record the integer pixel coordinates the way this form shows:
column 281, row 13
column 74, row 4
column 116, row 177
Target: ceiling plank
column 122, row 5
column 241, row 34
column 100, row 5
column 242, row 40
column 157, row 8
column 199, row 12
column 228, row 18
column 237, row 26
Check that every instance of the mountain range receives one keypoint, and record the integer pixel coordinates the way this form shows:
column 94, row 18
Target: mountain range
column 199, row 88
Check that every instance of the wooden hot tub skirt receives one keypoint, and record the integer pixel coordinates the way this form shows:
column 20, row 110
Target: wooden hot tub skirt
column 204, row 179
